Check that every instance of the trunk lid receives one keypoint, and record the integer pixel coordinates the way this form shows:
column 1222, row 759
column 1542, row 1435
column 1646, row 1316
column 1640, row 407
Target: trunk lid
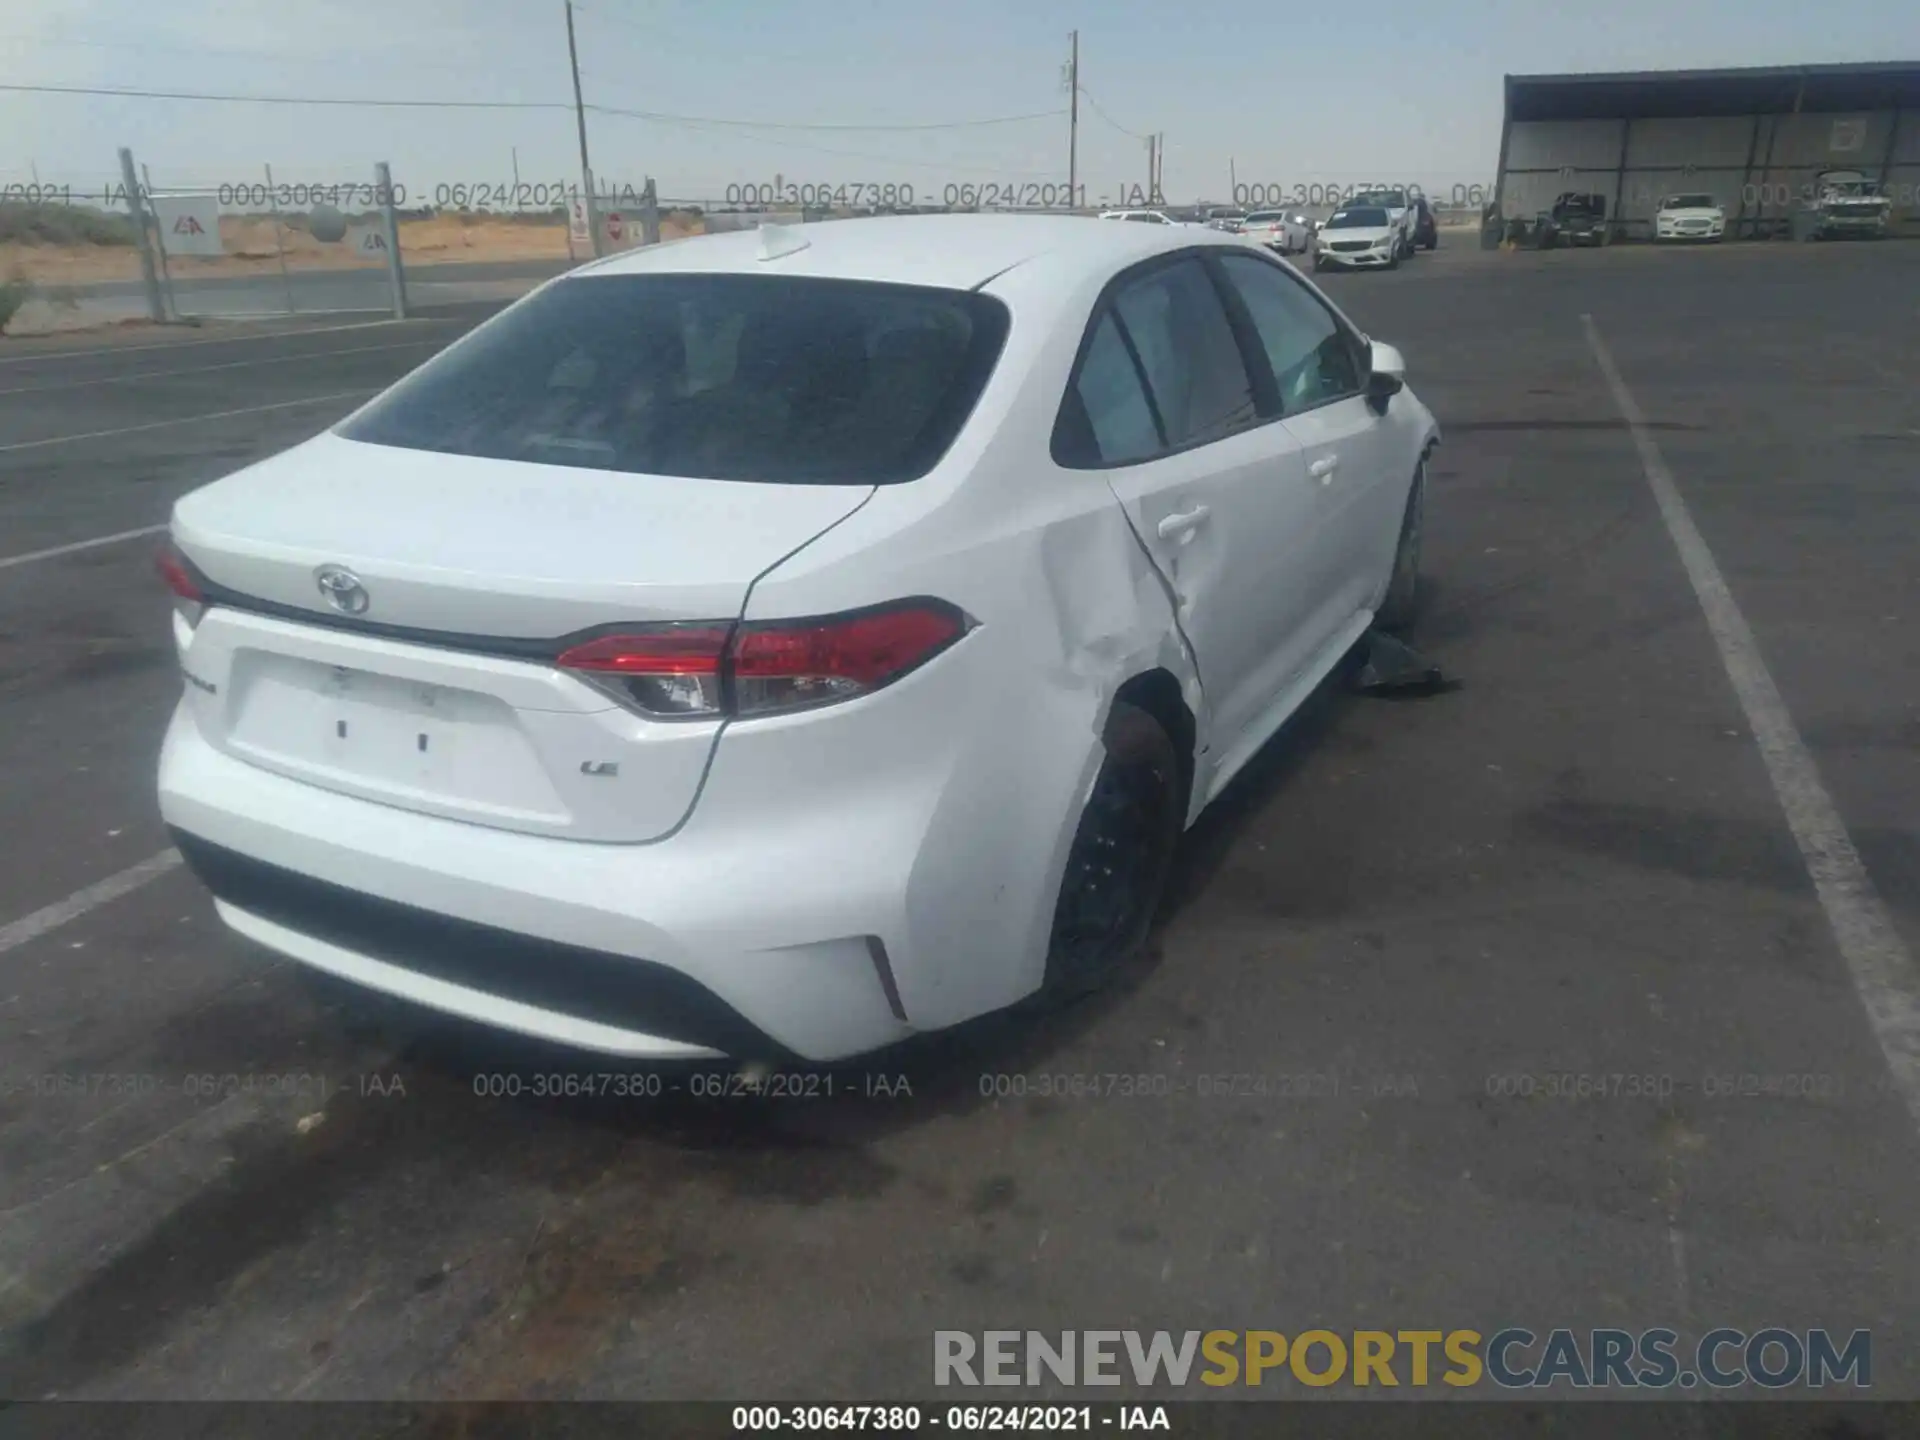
column 439, row 694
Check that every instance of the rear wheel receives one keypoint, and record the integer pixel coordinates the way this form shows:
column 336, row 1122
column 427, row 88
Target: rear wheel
column 1402, row 600
column 1117, row 868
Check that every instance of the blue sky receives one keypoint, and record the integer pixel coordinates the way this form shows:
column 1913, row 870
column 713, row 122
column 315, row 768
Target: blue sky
column 1289, row 93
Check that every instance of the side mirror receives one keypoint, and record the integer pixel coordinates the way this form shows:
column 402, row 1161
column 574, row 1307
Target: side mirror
column 1386, row 375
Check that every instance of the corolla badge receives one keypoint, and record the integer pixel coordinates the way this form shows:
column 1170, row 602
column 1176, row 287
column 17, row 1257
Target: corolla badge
column 342, row 588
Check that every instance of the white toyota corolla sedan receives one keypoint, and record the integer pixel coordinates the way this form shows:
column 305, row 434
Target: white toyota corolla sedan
column 775, row 644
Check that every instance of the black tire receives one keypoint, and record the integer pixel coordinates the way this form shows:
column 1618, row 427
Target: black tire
column 1433, row 242
column 1402, row 601
column 1122, row 850
column 1394, row 263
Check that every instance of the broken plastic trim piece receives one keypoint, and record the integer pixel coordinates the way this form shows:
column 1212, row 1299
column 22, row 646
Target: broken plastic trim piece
column 1393, row 667
column 780, row 240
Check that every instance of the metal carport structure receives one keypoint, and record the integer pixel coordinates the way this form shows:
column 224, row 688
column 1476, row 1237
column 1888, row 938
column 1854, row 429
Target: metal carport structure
column 1753, row 138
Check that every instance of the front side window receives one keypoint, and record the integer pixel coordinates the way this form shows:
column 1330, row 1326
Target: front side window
column 1312, row 356
column 779, row 379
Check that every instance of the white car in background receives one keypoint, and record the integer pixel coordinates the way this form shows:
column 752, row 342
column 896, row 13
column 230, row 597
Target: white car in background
column 1399, row 207
column 781, row 643
column 1690, row 217
column 1146, row 217
column 1277, row 230
column 1359, row 237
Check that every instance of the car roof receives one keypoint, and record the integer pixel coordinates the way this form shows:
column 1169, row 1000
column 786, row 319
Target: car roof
column 956, row 252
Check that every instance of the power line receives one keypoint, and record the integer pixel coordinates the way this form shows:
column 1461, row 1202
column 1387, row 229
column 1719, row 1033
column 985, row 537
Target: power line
column 796, row 125
column 1108, row 118
column 265, row 57
column 701, row 120
column 287, row 99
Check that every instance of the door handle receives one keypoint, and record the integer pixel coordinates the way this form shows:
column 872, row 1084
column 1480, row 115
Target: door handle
column 1181, row 522
column 1323, row 468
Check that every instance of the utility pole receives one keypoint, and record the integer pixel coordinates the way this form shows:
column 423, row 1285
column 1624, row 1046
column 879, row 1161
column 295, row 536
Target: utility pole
column 137, row 212
column 1159, row 167
column 1151, row 140
column 1073, row 121
column 580, row 119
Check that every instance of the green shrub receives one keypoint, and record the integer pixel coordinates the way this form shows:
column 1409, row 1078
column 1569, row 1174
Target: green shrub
column 13, row 294
column 63, row 225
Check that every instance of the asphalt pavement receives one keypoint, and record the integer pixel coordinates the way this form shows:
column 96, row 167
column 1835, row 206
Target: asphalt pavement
column 1410, row 941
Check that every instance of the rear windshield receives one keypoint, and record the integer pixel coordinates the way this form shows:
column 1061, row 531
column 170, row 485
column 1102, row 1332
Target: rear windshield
column 1267, row 217
column 782, row 379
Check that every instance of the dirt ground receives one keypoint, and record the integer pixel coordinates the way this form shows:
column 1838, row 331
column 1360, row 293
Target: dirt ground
column 251, row 248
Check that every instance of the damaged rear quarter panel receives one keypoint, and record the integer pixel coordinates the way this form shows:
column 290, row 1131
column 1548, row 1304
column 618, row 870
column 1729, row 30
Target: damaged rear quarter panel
column 1069, row 607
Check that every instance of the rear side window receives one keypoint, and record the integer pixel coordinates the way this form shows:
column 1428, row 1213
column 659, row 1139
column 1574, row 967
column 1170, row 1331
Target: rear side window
column 781, row 379
column 1187, row 350
column 1105, row 419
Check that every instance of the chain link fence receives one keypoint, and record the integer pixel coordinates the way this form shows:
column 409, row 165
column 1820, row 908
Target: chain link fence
column 251, row 247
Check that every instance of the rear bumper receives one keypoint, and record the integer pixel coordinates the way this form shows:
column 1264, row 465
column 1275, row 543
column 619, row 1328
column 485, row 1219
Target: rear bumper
column 696, row 946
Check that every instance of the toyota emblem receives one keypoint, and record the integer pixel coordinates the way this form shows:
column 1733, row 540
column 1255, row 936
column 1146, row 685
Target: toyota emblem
column 342, row 588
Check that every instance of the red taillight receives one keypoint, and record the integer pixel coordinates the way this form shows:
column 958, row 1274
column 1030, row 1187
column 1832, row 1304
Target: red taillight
column 180, row 580
column 663, row 669
column 189, row 599
column 784, row 664
column 694, row 671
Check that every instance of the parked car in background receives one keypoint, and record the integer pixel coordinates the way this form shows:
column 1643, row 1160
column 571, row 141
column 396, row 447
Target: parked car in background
column 1221, row 218
column 1691, row 216
column 1426, row 228
column 1147, row 217
column 1847, row 202
column 1399, row 207
column 1277, row 230
column 690, row 662
column 1578, row 219
column 1359, row 237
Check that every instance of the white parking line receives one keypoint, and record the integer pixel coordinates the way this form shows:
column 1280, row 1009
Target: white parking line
column 1882, row 970
column 32, row 555
column 51, row 917
column 186, row 420
column 204, row 369
column 224, row 339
